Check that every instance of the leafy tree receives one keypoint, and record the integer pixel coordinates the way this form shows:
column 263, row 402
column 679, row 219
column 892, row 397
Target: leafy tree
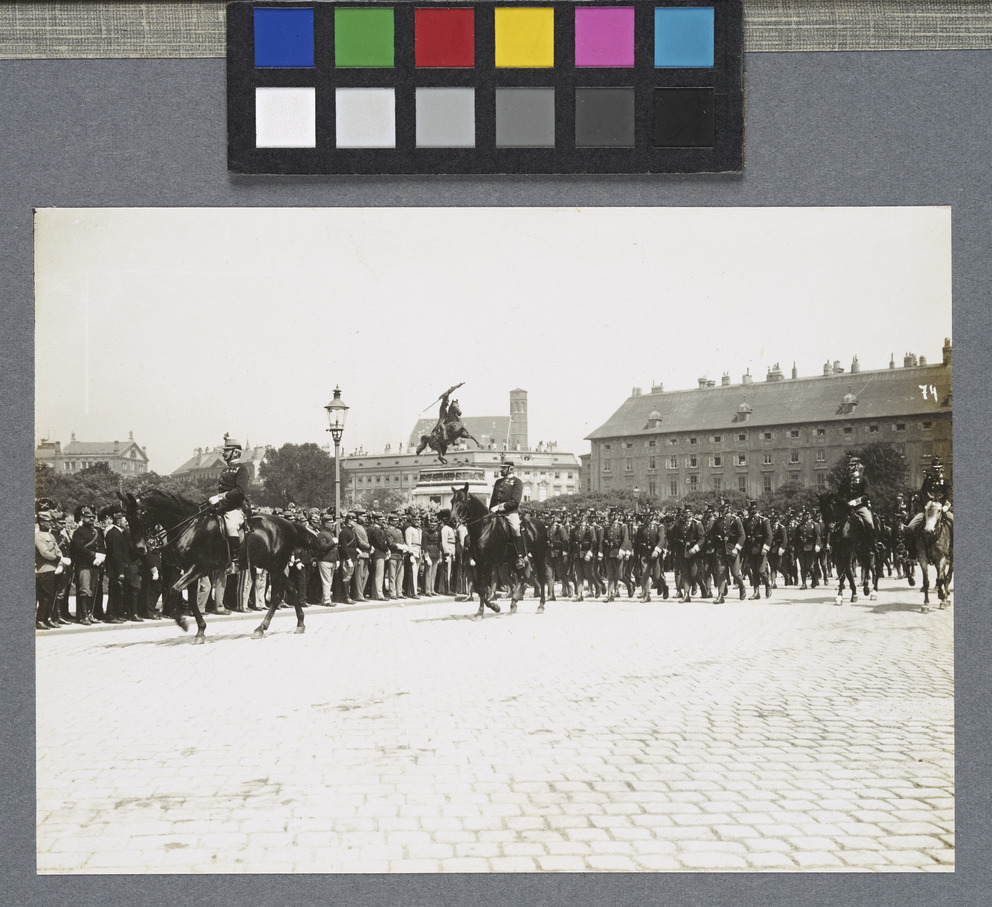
column 385, row 500
column 885, row 468
column 302, row 473
column 794, row 495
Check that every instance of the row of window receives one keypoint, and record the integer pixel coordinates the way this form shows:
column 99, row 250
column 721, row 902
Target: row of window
column 412, row 479
column 125, row 465
column 716, row 461
column 792, row 434
column 693, row 484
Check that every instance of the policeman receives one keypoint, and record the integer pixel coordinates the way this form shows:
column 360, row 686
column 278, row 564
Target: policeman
column 505, row 500
column 232, row 491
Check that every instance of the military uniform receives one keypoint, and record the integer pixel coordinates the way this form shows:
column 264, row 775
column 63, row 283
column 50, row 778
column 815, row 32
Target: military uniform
column 759, row 543
column 508, row 492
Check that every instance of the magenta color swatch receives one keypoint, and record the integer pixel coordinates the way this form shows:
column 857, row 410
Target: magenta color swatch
column 604, row 36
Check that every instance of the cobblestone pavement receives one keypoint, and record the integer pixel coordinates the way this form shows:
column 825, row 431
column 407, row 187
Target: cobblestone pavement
column 788, row 734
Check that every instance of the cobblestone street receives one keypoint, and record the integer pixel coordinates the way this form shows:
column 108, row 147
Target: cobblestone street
column 789, row 734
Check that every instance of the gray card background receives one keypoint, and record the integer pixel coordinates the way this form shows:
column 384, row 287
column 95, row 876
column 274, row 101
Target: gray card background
column 822, row 129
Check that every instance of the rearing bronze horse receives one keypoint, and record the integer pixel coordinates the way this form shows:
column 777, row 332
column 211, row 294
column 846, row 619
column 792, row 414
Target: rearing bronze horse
column 448, row 430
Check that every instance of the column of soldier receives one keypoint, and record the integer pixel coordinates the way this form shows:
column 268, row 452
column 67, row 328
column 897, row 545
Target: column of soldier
column 112, row 577
column 599, row 553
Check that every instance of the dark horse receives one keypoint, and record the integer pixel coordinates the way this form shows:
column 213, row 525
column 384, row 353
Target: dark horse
column 448, row 430
column 852, row 546
column 195, row 537
column 933, row 546
column 494, row 553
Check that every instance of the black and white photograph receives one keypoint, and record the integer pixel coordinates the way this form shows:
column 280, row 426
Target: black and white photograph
column 494, row 540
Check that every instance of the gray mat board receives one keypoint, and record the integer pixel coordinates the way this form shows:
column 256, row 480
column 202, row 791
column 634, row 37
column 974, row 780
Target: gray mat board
column 826, row 129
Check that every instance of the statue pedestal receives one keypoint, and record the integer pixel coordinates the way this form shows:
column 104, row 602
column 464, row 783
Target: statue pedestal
column 435, row 484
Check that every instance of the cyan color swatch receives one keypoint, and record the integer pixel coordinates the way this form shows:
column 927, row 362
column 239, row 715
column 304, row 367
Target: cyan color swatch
column 683, row 37
column 283, row 37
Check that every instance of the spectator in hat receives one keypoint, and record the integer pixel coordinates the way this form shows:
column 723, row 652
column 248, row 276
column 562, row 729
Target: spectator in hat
column 122, row 570
column 448, row 551
column 431, row 553
column 49, row 564
column 364, row 550
column 88, row 552
column 397, row 550
column 347, row 556
column 326, row 553
column 379, row 542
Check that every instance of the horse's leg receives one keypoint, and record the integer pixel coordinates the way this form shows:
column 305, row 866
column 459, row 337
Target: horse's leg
column 277, row 584
column 925, row 575
column 190, row 576
column 201, row 624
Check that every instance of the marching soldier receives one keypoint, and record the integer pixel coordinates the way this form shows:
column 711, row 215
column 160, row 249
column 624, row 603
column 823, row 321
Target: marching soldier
column 759, row 541
column 649, row 549
column 613, row 542
column 693, row 541
column 780, row 546
column 560, row 545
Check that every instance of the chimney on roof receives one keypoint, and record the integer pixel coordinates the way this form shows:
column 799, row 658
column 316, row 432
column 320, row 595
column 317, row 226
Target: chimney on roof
column 58, row 447
column 826, row 368
column 130, row 436
column 923, row 360
column 855, row 367
column 72, row 436
column 795, row 373
column 892, row 361
column 774, row 373
column 635, row 392
column 702, row 382
column 711, row 382
column 144, row 449
column 907, row 360
column 746, row 377
column 837, row 369
column 657, row 388
column 725, row 379
column 117, row 446
column 199, row 451
column 947, row 351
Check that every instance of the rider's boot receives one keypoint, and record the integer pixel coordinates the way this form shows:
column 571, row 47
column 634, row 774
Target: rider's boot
column 518, row 543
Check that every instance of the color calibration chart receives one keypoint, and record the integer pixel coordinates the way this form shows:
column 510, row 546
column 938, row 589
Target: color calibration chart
column 486, row 87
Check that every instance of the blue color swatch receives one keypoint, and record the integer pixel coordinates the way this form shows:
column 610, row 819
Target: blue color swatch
column 683, row 36
column 284, row 37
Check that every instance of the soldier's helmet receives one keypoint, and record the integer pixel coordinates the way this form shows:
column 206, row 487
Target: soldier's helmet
column 853, row 462
column 231, row 443
column 937, row 463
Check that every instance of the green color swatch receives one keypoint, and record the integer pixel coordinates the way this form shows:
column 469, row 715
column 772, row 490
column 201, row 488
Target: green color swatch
column 363, row 37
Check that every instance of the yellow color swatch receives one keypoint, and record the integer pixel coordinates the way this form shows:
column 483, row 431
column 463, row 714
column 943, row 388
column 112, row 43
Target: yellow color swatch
column 525, row 36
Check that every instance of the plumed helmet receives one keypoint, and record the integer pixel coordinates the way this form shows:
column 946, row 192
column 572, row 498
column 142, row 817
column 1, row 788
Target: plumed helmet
column 937, row 463
column 231, row 443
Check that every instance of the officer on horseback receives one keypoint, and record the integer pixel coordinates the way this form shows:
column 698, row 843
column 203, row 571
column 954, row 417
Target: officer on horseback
column 232, row 492
column 505, row 501
column 935, row 487
column 855, row 493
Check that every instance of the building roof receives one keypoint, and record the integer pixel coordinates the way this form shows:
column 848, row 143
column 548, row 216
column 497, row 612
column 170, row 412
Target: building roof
column 101, row 448
column 211, row 458
column 884, row 393
column 497, row 428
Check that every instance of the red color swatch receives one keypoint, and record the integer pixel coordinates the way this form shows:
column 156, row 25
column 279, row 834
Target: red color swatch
column 444, row 37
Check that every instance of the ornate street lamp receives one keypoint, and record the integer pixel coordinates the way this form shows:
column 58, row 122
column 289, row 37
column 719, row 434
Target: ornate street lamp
column 337, row 410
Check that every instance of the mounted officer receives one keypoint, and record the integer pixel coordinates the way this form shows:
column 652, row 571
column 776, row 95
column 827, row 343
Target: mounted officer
column 935, row 487
column 231, row 498
column 855, row 493
column 505, row 501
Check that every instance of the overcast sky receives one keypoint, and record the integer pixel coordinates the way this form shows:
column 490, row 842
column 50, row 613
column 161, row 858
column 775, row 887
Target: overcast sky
column 180, row 324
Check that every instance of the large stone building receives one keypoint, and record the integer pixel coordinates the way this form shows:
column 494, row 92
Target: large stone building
column 127, row 457
column 545, row 471
column 208, row 462
column 754, row 437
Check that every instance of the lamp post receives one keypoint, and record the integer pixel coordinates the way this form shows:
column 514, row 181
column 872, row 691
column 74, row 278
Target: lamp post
column 337, row 410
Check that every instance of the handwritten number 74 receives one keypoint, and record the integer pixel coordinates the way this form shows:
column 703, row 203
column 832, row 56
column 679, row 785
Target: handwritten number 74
column 928, row 389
